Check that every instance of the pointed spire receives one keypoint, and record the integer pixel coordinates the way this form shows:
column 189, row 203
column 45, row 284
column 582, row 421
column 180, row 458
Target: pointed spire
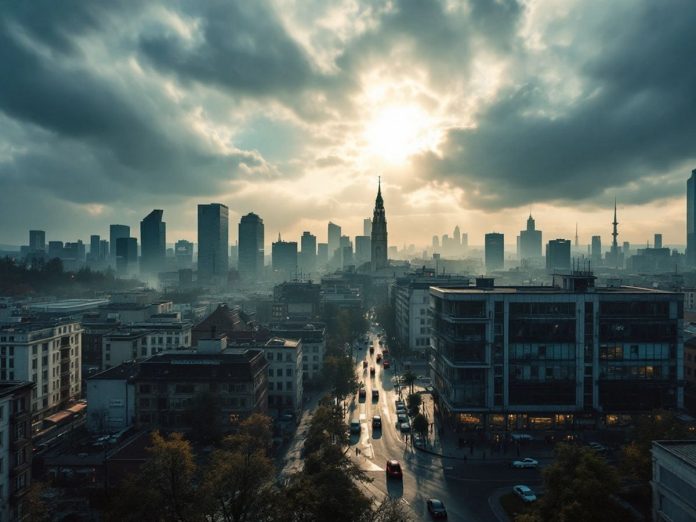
column 379, row 202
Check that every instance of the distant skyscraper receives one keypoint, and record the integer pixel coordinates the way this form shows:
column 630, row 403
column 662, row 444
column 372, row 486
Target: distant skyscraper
column 363, row 251
column 284, row 259
column 367, row 227
column 115, row 233
column 55, row 249
column 126, row 255
column 308, row 253
column 103, row 249
column 37, row 241
column 153, row 246
column 213, row 242
column 658, row 241
column 529, row 241
column 457, row 237
column 234, row 256
column 691, row 219
column 322, row 255
column 626, row 249
column 558, row 254
column 334, row 235
column 465, row 240
column 379, row 240
column 251, row 250
column 577, row 240
column 183, row 254
column 596, row 252
column 494, row 251
column 436, row 242
column 94, row 241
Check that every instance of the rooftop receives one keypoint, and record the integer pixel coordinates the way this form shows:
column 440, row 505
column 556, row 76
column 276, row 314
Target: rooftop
column 68, row 305
column 125, row 370
column 11, row 387
column 277, row 342
column 682, row 449
column 545, row 290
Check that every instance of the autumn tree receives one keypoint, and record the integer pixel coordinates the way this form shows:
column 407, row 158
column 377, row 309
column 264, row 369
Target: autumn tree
column 420, row 424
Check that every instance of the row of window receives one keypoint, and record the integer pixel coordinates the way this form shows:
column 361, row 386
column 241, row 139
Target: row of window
column 278, row 386
column 279, row 372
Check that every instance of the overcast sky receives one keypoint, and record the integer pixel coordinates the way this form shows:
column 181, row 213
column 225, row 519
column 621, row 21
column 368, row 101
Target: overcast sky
column 472, row 112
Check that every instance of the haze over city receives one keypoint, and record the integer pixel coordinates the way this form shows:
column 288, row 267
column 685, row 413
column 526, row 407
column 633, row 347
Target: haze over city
column 473, row 114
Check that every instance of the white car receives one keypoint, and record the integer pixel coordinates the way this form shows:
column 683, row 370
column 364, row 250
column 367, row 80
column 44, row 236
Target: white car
column 525, row 493
column 525, row 463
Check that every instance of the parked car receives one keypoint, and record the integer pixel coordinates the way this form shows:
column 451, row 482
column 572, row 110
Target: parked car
column 521, row 437
column 525, row 463
column 599, row 448
column 372, row 349
column 394, row 469
column 405, row 427
column 436, row 508
column 355, row 426
column 364, row 364
column 400, row 410
column 372, row 370
column 379, row 357
column 402, row 417
column 375, row 395
column 385, row 364
column 400, row 404
column 376, row 422
column 418, row 441
column 362, row 394
column 525, row 493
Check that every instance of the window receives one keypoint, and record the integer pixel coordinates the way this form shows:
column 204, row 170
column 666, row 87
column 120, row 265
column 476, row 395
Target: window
column 288, row 385
column 145, row 388
column 288, row 372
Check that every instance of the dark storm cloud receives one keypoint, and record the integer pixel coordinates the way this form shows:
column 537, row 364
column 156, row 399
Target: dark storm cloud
column 638, row 121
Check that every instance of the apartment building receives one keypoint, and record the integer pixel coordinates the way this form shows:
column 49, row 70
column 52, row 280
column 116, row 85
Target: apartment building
column 557, row 357
column 313, row 337
column 284, row 373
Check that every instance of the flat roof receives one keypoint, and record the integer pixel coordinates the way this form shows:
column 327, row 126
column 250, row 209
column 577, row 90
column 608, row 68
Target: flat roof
column 277, row 342
column 10, row 387
column 67, row 305
column 682, row 449
column 547, row 290
column 124, row 370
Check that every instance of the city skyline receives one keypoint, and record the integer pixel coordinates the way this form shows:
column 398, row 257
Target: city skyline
column 341, row 93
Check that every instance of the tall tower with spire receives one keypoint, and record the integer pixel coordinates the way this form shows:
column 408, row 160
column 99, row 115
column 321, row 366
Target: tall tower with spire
column 577, row 242
column 615, row 254
column 378, row 258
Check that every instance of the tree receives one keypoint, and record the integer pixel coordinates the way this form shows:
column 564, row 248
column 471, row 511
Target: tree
column 414, row 402
column 390, row 510
column 339, row 373
column 327, row 427
column 420, row 424
column 409, row 379
column 33, row 505
column 203, row 415
column 579, row 486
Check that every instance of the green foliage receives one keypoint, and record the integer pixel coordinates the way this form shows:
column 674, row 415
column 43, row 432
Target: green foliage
column 343, row 325
column 420, row 424
column 391, row 510
column 339, row 373
column 327, row 428
column 579, row 486
column 409, row 379
column 414, row 402
column 636, row 460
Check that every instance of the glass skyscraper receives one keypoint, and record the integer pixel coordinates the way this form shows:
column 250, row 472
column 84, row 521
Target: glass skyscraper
column 213, row 242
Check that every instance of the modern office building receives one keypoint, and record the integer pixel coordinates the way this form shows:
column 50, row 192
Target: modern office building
column 183, row 254
column 126, row 255
column 563, row 357
column 37, row 241
column 691, row 219
column 334, row 238
column 529, row 241
column 494, row 251
column 153, row 243
column 251, row 249
column 94, row 248
column 55, row 249
column 116, row 232
column 322, row 255
column 15, row 448
column 48, row 354
column 379, row 241
column 284, row 373
column 596, row 252
column 558, row 255
column 673, row 480
column 367, row 227
column 308, row 254
column 213, row 242
column 284, row 259
column 363, row 249
column 411, row 297
column 658, row 241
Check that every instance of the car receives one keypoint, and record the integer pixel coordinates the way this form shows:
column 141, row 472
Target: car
column 372, row 349
column 376, row 422
column 400, row 403
column 355, row 426
column 599, row 448
column 401, row 410
column 372, row 370
column 379, row 357
column 362, row 394
column 402, row 417
column 394, row 469
column 418, row 441
column 525, row 463
column 519, row 437
column 385, row 364
column 524, row 493
column 405, row 427
column 364, row 364
column 436, row 508
column 375, row 395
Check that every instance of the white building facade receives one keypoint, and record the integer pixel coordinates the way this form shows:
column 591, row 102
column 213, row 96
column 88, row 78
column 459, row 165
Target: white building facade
column 284, row 373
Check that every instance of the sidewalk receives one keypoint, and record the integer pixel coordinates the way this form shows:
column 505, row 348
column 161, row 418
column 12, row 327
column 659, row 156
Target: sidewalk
column 290, row 459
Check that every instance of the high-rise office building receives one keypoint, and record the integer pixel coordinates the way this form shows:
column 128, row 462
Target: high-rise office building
column 436, row 242
column 379, row 240
column 94, row 250
column 626, row 249
column 115, row 233
column 457, row 237
column 334, row 236
column 658, row 241
column 234, row 256
column 558, row 254
column 362, row 249
column 251, row 251
column 308, row 253
column 126, row 255
column 284, row 259
column 494, row 251
column 465, row 241
column 55, row 249
column 37, row 241
column 103, row 249
column 153, row 237
column 213, row 242
column 183, row 254
column 322, row 255
column 529, row 241
column 691, row 219
column 367, row 227
column 596, row 253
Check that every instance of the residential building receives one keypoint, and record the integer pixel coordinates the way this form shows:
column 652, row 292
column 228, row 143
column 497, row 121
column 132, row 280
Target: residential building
column 313, row 337
column 153, row 243
column 558, row 255
column 673, row 480
column 284, row 373
column 555, row 357
column 379, row 242
column 55, row 249
column 213, row 242
column 117, row 232
column 411, row 298
column 251, row 249
column 37, row 241
column 48, row 354
column 494, row 251
column 15, row 448
column 94, row 248
column 111, row 399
